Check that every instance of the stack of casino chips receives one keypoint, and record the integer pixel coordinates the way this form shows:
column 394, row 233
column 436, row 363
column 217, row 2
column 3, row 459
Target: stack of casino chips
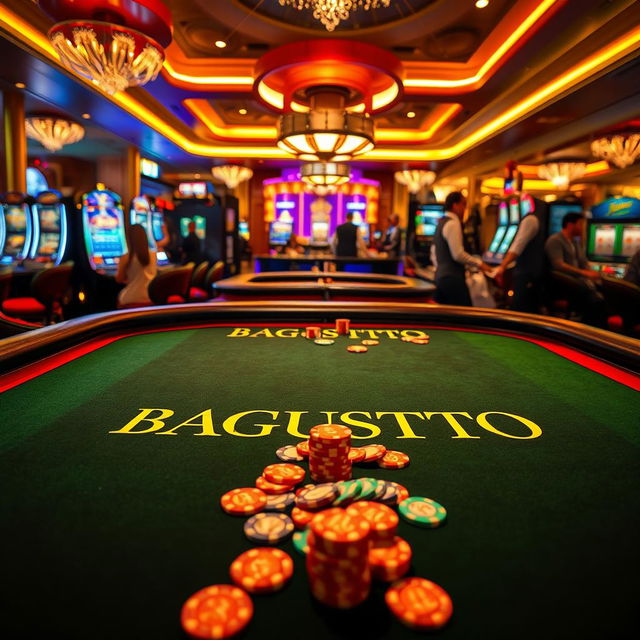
column 329, row 446
column 338, row 558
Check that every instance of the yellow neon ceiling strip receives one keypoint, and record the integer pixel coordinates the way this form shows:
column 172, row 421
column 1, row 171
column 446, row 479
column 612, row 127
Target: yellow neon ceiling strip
column 492, row 60
column 206, row 114
column 615, row 50
column 418, row 83
column 421, row 135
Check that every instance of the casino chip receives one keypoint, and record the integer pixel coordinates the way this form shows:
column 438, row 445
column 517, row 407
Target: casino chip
column 324, row 342
column 271, row 528
column 280, row 502
column 289, row 453
column 390, row 495
column 262, row 570
column 394, row 460
column 303, row 448
column 373, row 452
column 420, row 341
column 357, row 348
column 371, row 343
column 244, row 502
column 403, row 492
column 419, row 604
column 356, row 454
column 271, row 488
column 301, row 541
column 284, row 473
column 318, row 496
column 218, row 611
column 301, row 518
column 349, row 490
column 407, row 338
column 368, row 488
column 423, row 512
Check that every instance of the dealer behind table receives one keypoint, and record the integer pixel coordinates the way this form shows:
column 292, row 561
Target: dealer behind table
column 393, row 237
column 451, row 258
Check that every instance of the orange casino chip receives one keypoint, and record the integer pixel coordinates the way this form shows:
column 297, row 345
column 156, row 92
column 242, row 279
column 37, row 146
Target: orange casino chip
column 284, row 473
column 244, row 502
column 262, row 570
column 403, row 492
column 218, row 611
column 371, row 343
column 356, row 454
column 271, row 488
column 419, row 603
column 420, row 341
column 390, row 563
column 300, row 517
column 382, row 520
column 394, row 460
column 357, row 348
column 373, row 452
column 303, row 448
column 335, row 531
column 329, row 432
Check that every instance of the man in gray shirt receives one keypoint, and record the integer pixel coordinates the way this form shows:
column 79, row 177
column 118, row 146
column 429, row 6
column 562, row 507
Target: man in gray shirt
column 566, row 255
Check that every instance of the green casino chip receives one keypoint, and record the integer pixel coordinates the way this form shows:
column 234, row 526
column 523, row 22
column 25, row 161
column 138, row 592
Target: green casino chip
column 349, row 492
column 368, row 488
column 423, row 512
column 300, row 542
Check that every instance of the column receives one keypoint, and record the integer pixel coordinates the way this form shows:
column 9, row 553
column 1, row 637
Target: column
column 15, row 141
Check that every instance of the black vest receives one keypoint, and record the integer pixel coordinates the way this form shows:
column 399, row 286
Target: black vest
column 532, row 259
column 447, row 266
column 347, row 235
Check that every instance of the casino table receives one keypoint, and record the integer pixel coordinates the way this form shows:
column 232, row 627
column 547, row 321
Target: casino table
column 373, row 264
column 121, row 431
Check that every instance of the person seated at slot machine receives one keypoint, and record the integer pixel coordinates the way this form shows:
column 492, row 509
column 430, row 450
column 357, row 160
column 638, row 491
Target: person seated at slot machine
column 347, row 240
column 192, row 246
column 136, row 269
column 566, row 254
column 392, row 237
column 451, row 259
column 293, row 248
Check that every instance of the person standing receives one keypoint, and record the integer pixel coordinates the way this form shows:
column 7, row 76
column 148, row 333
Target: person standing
column 136, row 269
column 393, row 237
column 347, row 241
column 451, row 258
column 192, row 246
column 527, row 250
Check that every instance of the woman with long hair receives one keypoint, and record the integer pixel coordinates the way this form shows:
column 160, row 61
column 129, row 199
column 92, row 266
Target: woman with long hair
column 136, row 269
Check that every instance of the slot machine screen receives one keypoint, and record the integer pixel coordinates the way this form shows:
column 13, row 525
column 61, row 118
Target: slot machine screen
column 508, row 239
column 503, row 214
column 243, row 229
column 497, row 239
column 630, row 240
column 427, row 218
column 320, row 233
column 104, row 228
column 157, row 220
column 279, row 232
column 201, row 226
column 602, row 241
column 514, row 211
column 193, row 190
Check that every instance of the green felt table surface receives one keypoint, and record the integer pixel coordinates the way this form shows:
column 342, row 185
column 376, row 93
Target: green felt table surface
column 109, row 528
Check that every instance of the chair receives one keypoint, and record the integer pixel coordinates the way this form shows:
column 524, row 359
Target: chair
column 171, row 286
column 197, row 288
column 624, row 299
column 214, row 274
column 50, row 290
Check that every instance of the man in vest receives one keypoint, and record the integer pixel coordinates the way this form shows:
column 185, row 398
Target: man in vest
column 347, row 242
column 451, row 258
column 527, row 249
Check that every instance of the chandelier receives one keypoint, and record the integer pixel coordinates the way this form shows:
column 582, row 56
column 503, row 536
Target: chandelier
column 325, row 174
column 621, row 150
column 113, row 44
column 112, row 57
column 232, row 175
column 53, row 133
column 561, row 173
column 331, row 12
column 415, row 179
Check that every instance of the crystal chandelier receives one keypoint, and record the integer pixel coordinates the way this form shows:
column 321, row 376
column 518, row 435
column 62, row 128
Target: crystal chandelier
column 415, row 179
column 111, row 56
column 561, row 173
column 331, row 12
column 621, row 150
column 325, row 174
column 53, row 133
column 232, row 175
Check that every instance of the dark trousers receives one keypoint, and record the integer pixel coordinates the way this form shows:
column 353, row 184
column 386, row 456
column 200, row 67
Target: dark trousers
column 527, row 292
column 452, row 290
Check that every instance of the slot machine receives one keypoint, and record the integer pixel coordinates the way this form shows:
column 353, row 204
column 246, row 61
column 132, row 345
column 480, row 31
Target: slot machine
column 143, row 213
column 51, row 231
column 16, row 229
column 423, row 221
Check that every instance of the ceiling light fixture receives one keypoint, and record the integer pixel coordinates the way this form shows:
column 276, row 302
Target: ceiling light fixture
column 242, row 112
column 221, row 44
column 53, row 133
column 621, row 150
column 481, row 4
column 331, row 12
column 411, row 114
column 20, row 85
column 232, row 175
column 561, row 174
column 86, row 116
column 415, row 179
column 116, row 47
column 325, row 174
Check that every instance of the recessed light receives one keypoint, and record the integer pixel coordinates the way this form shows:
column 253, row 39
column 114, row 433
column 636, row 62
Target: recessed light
column 21, row 85
column 86, row 116
column 411, row 114
column 481, row 4
column 196, row 175
column 221, row 44
column 242, row 112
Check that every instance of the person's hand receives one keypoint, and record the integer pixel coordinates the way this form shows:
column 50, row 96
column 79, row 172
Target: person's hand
column 592, row 275
column 485, row 268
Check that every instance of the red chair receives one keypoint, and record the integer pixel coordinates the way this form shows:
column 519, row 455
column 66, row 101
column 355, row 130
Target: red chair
column 623, row 298
column 50, row 290
column 214, row 274
column 197, row 288
column 171, row 286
